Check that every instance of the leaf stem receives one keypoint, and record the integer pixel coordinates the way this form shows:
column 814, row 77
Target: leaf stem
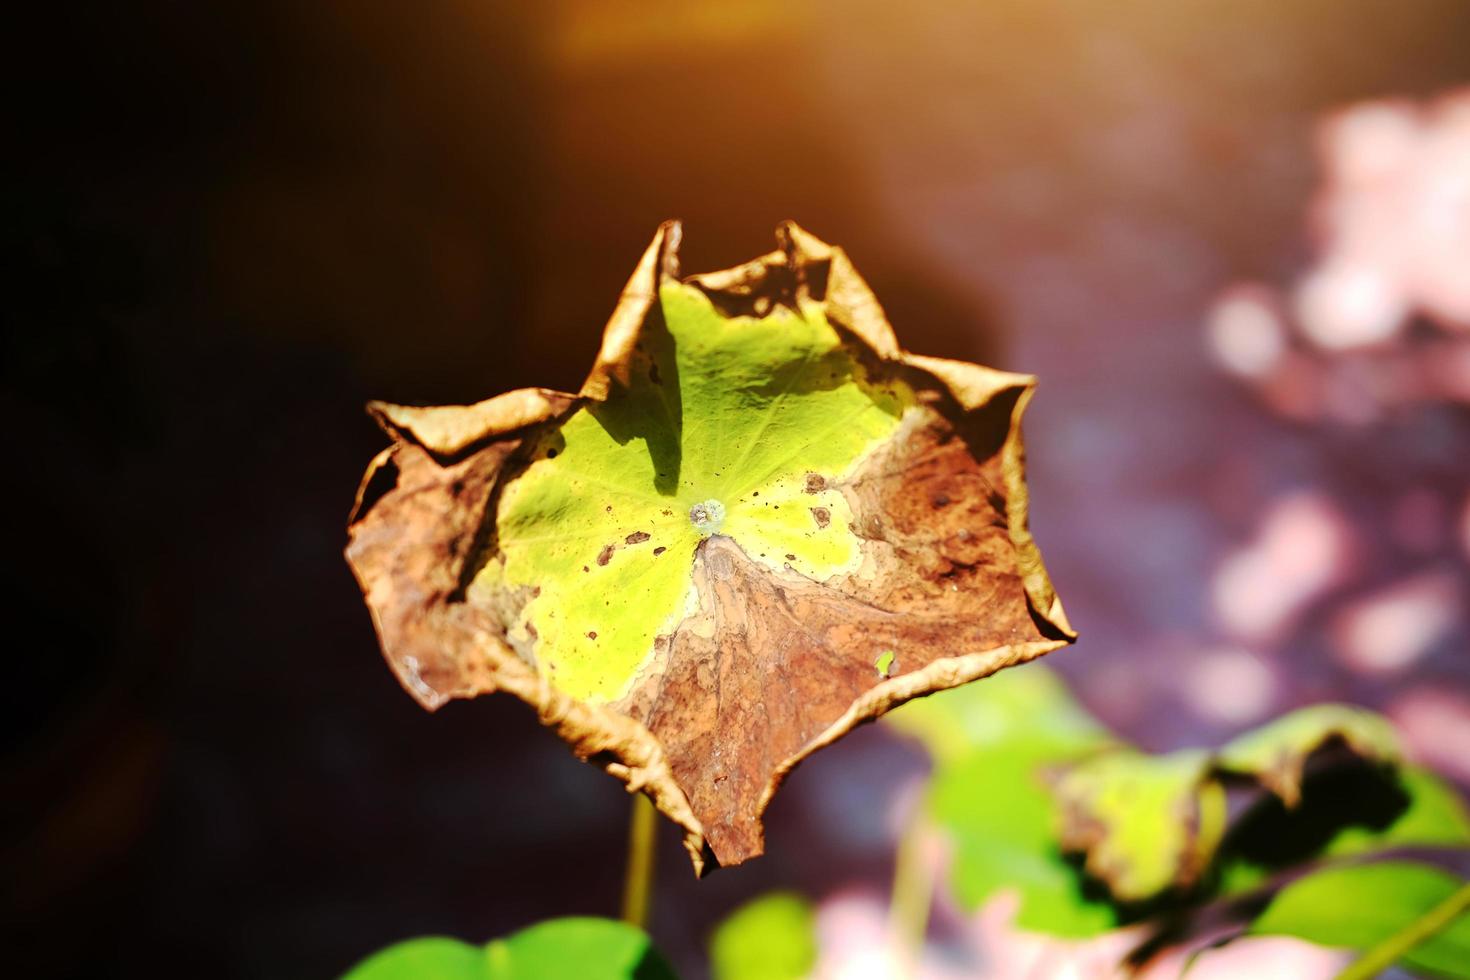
column 638, row 878
column 1395, row 947
column 913, row 890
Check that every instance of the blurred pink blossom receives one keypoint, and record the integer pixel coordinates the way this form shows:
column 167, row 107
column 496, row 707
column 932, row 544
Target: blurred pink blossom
column 1343, row 304
column 1393, row 219
column 1392, row 224
column 1435, row 725
column 1390, row 630
column 1247, row 331
column 854, row 939
column 857, row 938
column 1230, row 685
column 1257, row 957
column 1010, row 953
column 1301, row 549
column 1015, row 954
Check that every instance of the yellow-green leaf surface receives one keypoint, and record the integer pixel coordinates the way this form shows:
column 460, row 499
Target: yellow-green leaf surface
column 759, row 524
column 727, row 428
column 1145, row 823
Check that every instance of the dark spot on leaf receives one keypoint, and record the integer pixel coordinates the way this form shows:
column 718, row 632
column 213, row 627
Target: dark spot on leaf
column 659, row 551
column 608, row 508
column 791, row 558
column 531, row 631
column 551, row 454
column 939, row 500
column 822, row 516
column 668, row 513
column 637, row 537
column 586, row 569
column 653, row 374
column 457, row 487
column 756, row 494
column 592, row 634
column 605, row 555
column 536, row 592
column 815, row 483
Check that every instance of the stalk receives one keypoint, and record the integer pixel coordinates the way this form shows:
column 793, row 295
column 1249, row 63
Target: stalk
column 1395, row 947
column 638, row 879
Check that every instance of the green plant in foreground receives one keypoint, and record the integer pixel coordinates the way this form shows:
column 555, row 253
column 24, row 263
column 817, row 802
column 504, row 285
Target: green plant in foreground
column 1290, row 829
column 1364, row 856
column 560, row 949
column 769, row 938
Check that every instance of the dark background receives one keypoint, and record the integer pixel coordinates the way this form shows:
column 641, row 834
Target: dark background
column 228, row 225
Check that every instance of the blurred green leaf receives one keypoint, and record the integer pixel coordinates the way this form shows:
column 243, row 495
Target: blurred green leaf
column 1001, row 824
column 577, row 949
column 770, row 938
column 1276, row 753
column 1343, row 816
column 558, row 949
column 1024, row 776
column 990, row 742
column 1359, row 906
column 1025, row 708
column 1435, row 817
column 1144, row 823
column 1359, row 802
column 1240, row 876
column 432, row 957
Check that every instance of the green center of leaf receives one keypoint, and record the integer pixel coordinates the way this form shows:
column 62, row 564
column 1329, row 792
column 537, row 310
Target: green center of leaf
column 740, row 426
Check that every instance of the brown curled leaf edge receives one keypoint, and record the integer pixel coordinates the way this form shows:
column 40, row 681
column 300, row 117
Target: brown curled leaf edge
column 766, row 665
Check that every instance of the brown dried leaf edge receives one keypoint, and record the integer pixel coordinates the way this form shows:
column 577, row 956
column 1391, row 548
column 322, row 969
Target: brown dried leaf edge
column 425, row 510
